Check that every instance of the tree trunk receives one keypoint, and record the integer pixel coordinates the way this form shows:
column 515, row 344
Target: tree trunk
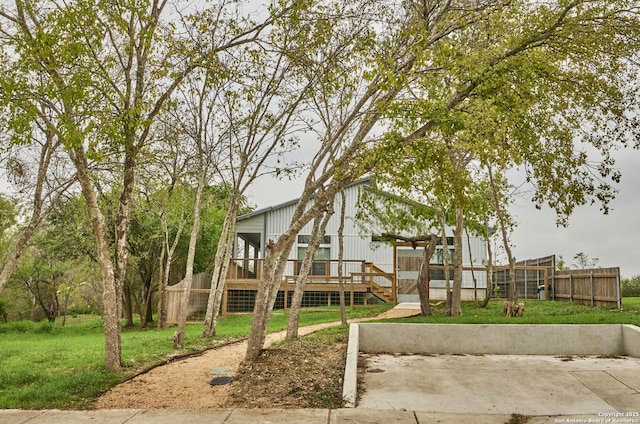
column 223, row 257
column 274, row 266
column 275, row 263
column 456, row 295
column 473, row 273
column 445, row 259
column 319, row 227
column 343, row 306
column 37, row 212
column 128, row 306
column 147, row 315
column 170, row 250
column 110, row 296
column 178, row 338
column 162, row 313
column 487, row 297
column 424, row 277
column 123, row 220
column 510, row 307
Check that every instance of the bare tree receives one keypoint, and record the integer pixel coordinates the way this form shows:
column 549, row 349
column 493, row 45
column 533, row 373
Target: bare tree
column 259, row 111
column 40, row 188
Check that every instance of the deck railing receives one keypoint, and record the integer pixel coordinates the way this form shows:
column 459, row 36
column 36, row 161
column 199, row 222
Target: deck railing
column 354, row 272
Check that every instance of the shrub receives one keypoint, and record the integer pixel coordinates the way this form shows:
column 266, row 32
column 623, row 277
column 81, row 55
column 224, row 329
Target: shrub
column 631, row 287
column 30, row 327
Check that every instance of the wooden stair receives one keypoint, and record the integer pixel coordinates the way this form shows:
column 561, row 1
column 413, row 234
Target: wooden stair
column 381, row 292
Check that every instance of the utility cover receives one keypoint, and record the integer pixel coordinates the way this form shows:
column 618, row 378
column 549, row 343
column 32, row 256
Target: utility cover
column 219, row 381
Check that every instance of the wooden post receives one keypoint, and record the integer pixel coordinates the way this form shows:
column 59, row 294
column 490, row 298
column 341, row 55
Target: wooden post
column 545, row 281
column 225, row 293
column 351, row 301
column 618, row 296
column 394, row 281
column 571, row 286
column 591, row 283
column 364, row 297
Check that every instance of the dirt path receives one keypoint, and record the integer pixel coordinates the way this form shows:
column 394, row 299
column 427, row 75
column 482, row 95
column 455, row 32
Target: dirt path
column 184, row 384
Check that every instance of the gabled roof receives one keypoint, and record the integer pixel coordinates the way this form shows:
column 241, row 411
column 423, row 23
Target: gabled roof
column 257, row 212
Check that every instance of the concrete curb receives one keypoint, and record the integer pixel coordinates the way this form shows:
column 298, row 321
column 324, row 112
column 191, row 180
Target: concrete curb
column 350, row 385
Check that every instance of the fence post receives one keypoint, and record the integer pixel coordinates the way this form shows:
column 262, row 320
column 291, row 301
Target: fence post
column 570, row 286
column 553, row 283
column 618, row 295
column 591, row 282
column 286, row 295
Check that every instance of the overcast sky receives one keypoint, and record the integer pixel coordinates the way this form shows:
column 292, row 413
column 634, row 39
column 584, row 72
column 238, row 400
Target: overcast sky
column 612, row 238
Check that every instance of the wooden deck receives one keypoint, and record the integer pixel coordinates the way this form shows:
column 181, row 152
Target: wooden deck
column 360, row 279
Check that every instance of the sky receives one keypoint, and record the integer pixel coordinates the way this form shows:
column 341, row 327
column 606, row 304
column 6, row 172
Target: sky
column 613, row 239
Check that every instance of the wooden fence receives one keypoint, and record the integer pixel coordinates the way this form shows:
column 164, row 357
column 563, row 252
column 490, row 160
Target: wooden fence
column 199, row 295
column 595, row 287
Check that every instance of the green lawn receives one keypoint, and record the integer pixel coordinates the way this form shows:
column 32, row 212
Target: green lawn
column 541, row 312
column 45, row 365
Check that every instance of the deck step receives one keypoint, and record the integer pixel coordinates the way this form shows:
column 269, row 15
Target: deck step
column 381, row 293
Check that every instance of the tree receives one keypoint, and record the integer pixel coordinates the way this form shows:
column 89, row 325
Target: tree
column 40, row 188
column 323, row 51
column 631, row 286
column 343, row 211
column 403, row 220
column 108, row 69
column 498, row 97
column 583, row 261
column 429, row 242
column 317, row 233
column 55, row 265
column 259, row 108
column 369, row 68
column 510, row 307
column 204, row 144
column 42, row 277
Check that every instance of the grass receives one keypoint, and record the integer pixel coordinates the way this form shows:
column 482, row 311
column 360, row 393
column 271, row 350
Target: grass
column 537, row 312
column 45, row 365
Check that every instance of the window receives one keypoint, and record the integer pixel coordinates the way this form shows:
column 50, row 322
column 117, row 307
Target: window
column 305, row 239
column 320, row 265
column 438, row 256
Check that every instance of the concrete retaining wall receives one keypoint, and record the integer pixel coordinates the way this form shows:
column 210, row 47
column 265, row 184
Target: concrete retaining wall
column 478, row 339
column 503, row 339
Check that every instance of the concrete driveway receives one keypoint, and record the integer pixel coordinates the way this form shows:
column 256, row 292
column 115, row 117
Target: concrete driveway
column 574, row 387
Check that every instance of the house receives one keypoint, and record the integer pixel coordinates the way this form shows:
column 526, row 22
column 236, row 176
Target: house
column 375, row 270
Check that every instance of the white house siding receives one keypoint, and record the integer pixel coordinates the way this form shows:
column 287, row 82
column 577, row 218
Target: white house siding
column 272, row 222
column 278, row 220
column 254, row 224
